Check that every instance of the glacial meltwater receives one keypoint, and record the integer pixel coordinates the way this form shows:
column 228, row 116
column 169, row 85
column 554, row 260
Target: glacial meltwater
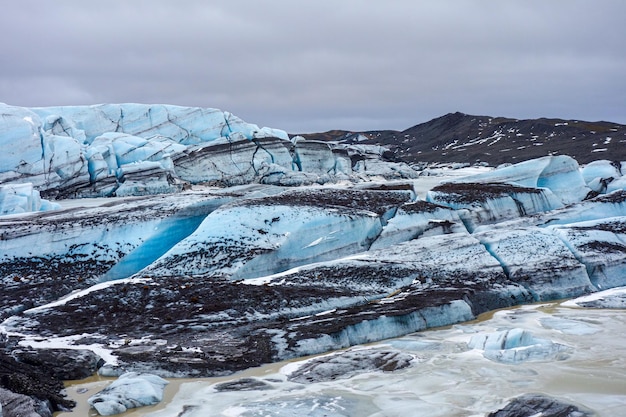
column 576, row 355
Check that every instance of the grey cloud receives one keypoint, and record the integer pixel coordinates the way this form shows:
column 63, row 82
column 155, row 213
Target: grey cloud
column 307, row 66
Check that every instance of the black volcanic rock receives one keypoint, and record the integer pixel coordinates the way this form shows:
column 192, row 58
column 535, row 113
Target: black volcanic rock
column 63, row 364
column 243, row 384
column 349, row 363
column 529, row 405
column 26, row 388
column 459, row 137
column 19, row 405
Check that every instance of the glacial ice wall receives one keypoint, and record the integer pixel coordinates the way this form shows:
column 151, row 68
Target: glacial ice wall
column 184, row 125
column 79, row 151
column 141, row 149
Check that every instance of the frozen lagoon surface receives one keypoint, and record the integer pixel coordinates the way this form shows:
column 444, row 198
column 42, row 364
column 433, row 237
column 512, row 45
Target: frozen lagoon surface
column 445, row 378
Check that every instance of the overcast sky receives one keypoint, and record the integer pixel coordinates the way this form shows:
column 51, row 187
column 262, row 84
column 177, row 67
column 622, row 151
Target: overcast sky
column 317, row 65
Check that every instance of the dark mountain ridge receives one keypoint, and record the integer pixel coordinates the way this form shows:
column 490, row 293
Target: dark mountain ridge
column 459, row 137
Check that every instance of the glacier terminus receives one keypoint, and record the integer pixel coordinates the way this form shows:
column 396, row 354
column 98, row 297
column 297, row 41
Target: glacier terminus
column 147, row 243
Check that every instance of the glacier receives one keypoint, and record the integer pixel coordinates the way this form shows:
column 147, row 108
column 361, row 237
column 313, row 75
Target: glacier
column 142, row 149
column 304, row 270
column 202, row 245
column 93, row 150
column 280, row 232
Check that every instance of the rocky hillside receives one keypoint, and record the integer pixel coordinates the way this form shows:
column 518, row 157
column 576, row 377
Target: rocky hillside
column 458, row 137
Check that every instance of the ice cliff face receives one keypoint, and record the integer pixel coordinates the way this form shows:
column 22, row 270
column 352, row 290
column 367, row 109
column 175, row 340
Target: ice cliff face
column 94, row 150
column 138, row 149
